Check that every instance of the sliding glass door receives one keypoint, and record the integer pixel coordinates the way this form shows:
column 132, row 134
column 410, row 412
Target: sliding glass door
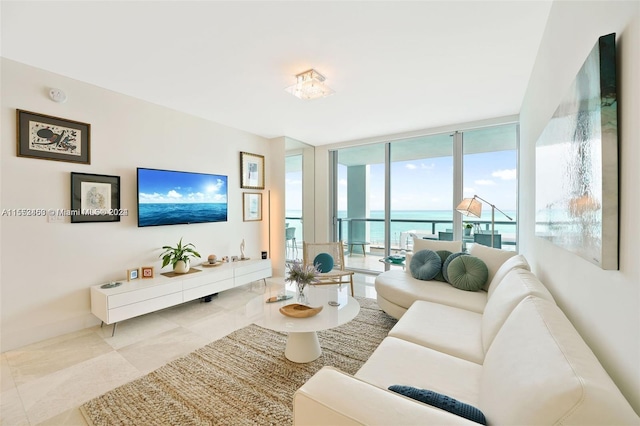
column 360, row 189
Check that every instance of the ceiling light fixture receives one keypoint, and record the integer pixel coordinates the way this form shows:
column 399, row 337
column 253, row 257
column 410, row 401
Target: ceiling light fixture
column 310, row 85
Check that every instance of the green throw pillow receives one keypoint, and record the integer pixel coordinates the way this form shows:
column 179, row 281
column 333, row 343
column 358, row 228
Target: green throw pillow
column 441, row 401
column 323, row 262
column 468, row 273
column 444, row 254
column 425, row 265
column 445, row 265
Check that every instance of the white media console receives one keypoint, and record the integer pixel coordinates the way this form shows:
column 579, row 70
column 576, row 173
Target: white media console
column 142, row 296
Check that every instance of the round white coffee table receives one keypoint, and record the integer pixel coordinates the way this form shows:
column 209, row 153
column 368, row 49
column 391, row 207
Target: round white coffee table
column 302, row 341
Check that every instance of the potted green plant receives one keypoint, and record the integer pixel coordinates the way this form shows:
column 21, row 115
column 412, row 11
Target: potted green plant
column 467, row 228
column 179, row 256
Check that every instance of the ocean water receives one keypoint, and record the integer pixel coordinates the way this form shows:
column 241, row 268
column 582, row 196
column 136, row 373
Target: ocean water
column 153, row 214
column 399, row 229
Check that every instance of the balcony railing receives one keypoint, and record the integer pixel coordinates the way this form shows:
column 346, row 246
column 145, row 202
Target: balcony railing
column 401, row 231
column 401, row 237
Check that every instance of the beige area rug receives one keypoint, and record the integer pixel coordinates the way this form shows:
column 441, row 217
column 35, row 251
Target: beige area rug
column 241, row 379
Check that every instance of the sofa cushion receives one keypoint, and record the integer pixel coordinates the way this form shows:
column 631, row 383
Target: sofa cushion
column 467, row 273
column 323, row 262
column 515, row 262
column 445, row 265
column 425, row 265
column 398, row 361
column 493, row 257
column 516, row 285
column 400, row 289
column 540, row 371
column 446, row 329
column 441, row 401
column 435, row 245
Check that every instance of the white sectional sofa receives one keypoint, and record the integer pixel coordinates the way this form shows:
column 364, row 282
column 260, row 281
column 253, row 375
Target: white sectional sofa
column 509, row 351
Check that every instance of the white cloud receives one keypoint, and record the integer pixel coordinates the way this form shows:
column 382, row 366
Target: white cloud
column 174, row 194
column 468, row 192
column 150, row 198
column 196, row 196
column 342, row 182
column 484, row 182
column 428, row 166
column 411, row 166
column 507, row 174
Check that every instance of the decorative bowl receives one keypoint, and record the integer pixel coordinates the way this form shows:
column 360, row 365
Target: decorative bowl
column 297, row 310
column 396, row 259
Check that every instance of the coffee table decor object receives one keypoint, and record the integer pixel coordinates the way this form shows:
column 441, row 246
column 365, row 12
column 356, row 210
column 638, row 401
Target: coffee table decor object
column 297, row 310
column 302, row 275
column 279, row 298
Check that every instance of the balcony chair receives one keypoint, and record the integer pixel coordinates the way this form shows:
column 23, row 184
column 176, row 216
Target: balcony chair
column 445, row 236
column 338, row 275
column 485, row 240
column 290, row 242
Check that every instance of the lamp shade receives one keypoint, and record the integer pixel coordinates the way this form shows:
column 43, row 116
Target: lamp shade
column 470, row 207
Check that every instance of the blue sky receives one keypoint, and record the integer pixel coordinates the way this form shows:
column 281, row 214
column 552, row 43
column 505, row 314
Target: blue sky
column 427, row 184
column 162, row 186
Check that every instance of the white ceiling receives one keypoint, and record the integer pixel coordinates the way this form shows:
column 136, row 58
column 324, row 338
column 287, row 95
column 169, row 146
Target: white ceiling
column 395, row 66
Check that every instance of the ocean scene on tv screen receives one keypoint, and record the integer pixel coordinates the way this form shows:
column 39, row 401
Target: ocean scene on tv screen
column 171, row 197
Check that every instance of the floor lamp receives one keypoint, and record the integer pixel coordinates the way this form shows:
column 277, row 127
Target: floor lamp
column 473, row 207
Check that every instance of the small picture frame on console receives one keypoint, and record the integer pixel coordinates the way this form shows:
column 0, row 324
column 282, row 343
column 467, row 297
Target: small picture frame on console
column 146, row 272
column 133, row 274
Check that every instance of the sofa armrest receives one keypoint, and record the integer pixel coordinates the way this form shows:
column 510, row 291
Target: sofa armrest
column 332, row 397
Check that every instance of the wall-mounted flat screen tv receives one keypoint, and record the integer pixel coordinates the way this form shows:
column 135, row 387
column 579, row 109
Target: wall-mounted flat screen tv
column 168, row 197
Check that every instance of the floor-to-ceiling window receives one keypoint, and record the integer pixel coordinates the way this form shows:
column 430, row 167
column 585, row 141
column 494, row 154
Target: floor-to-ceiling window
column 293, row 207
column 421, row 188
column 388, row 192
column 490, row 171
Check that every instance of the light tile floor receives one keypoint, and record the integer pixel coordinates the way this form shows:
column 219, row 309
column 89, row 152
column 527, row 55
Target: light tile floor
column 45, row 383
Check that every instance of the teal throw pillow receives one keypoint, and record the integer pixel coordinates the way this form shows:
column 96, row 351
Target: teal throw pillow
column 441, row 401
column 323, row 262
column 445, row 265
column 444, row 254
column 468, row 273
column 425, row 265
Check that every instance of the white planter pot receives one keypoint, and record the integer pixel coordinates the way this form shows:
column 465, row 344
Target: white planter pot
column 181, row 267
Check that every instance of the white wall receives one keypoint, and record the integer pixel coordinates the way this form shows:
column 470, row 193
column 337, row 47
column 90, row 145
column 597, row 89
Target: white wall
column 603, row 305
column 47, row 268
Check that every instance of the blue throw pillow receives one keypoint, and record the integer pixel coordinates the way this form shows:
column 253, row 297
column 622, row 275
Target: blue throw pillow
column 323, row 262
column 443, row 402
column 425, row 265
column 444, row 254
column 446, row 263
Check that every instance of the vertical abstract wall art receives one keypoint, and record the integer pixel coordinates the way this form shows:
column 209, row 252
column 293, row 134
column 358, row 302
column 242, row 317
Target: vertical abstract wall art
column 577, row 164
